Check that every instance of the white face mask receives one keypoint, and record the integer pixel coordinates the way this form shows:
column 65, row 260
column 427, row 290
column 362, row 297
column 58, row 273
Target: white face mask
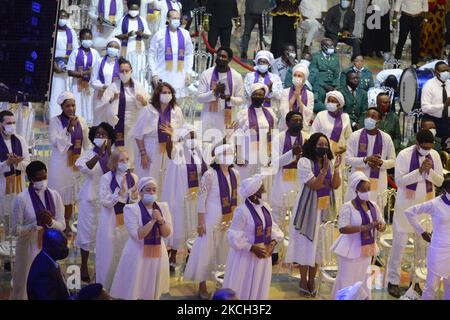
column 434, row 132
column 330, row 51
column 306, row 63
column 191, row 143
column 125, row 77
column 262, row 68
column 40, row 185
column 364, row 196
column 227, row 160
column 331, row 106
column 133, row 13
column 10, row 129
column 444, row 76
column 297, row 81
column 99, row 142
column 148, row 198
column 370, row 123
column 62, row 22
column 292, row 55
column 112, row 52
column 345, row 4
column 175, row 23
column 122, row 167
column 165, row 98
column 424, row 152
column 86, row 43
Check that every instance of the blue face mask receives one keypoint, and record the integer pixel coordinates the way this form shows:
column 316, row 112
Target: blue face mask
column 148, row 198
column 175, row 23
column 370, row 123
column 86, row 43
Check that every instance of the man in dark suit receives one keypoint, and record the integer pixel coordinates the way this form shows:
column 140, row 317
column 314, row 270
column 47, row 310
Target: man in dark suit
column 339, row 24
column 221, row 12
column 45, row 281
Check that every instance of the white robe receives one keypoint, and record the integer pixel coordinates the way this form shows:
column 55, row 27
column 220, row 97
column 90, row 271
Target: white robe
column 110, row 240
column 174, row 192
column 245, row 273
column 108, row 112
column 61, row 177
column 308, row 113
column 146, row 128
column 83, row 98
column 101, row 38
column 403, row 178
column 162, row 5
column 201, row 259
column 357, row 163
column 157, row 62
column 139, row 277
column 60, row 81
column 215, row 121
column 89, row 206
column 26, row 229
column 277, row 87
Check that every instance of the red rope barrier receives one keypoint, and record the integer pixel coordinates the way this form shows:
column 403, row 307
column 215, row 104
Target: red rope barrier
column 235, row 58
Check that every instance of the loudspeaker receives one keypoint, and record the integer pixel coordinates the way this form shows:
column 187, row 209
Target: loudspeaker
column 27, row 39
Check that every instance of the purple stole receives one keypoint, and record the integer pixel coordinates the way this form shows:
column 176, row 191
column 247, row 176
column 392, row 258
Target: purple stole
column 83, row 83
column 118, row 207
column 69, row 40
column 152, row 242
column 304, row 98
column 164, row 118
column 13, row 176
column 103, row 161
column 169, row 5
column 76, row 137
column 413, row 165
column 253, row 125
column 169, row 53
column 266, row 82
column 336, row 132
column 261, row 236
column 228, row 198
column 368, row 247
column 444, row 198
column 290, row 170
column 377, row 149
column 120, row 126
column 323, row 194
column 125, row 22
column 112, row 10
column 214, row 106
column 101, row 75
column 39, row 207
column 192, row 173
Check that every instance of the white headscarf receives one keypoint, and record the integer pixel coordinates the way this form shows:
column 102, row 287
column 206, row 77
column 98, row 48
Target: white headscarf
column 65, row 96
column 145, row 181
column 258, row 86
column 302, row 68
column 336, row 94
column 355, row 178
column 183, row 132
column 250, row 186
column 116, row 41
column 265, row 55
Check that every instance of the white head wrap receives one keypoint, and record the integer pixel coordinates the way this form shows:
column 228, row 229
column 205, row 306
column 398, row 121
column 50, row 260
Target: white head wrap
column 64, row 96
column 354, row 292
column 116, row 41
column 258, row 86
column 355, row 178
column 145, row 181
column 336, row 94
column 265, row 55
column 302, row 68
column 183, row 132
column 250, row 186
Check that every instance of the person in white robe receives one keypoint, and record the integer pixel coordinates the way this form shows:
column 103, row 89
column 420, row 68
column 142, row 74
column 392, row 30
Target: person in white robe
column 216, row 203
column 68, row 136
column 263, row 61
column 104, row 16
column 14, row 158
column 418, row 169
column 93, row 164
column 151, row 138
column 66, row 42
column 336, row 125
column 298, row 98
column 80, row 66
column 256, row 123
column 25, row 116
column 143, row 270
column 133, row 30
column 118, row 187
column 35, row 209
column 359, row 220
column 151, row 10
column 252, row 237
column 104, row 72
column 120, row 106
column 371, row 151
column 164, row 6
column 318, row 175
column 171, row 55
column 438, row 256
column 220, row 90
column 184, row 170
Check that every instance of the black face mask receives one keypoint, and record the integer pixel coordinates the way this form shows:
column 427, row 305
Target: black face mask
column 257, row 101
column 321, row 151
column 296, row 128
column 221, row 63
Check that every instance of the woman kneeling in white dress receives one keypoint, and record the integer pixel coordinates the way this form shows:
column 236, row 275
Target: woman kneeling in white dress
column 355, row 247
column 143, row 271
column 252, row 237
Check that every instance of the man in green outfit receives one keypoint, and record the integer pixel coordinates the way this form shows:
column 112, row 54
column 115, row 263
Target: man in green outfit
column 356, row 102
column 365, row 75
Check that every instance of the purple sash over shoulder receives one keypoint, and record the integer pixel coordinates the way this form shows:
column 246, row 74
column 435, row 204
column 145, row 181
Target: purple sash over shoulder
column 112, row 8
column 76, row 138
column 152, row 242
column 103, row 161
column 69, row 36
column 13, row 176
column 79, row 63
column 363, row 152
column 253, row 121
column 337, row 128
column 266, row 82
column 413, row 165
column 164, row 118
column 214, row 106
column 101, row 75
column 120, row 126
column 192, row 172
column 261, row 235
column 288, row 147
column 444, row 198
column 228, row 198
column 125, row 25
column 118, row 208
column 168, row 56
column 38, row 206
column 323, row 194
column 367, row 237
column 304, row 98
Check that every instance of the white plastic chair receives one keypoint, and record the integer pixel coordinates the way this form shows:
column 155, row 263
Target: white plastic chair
column 329, row 268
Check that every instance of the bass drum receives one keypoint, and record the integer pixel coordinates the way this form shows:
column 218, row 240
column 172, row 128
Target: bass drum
column 411, row 84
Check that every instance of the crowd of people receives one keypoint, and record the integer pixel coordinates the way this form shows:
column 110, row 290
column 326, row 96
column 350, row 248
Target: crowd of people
column 295, row 140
